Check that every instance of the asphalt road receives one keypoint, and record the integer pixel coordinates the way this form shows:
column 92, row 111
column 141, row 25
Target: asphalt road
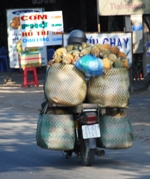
column 21, row 158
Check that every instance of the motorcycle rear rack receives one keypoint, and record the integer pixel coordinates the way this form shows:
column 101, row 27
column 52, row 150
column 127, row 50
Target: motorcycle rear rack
column 79, row 108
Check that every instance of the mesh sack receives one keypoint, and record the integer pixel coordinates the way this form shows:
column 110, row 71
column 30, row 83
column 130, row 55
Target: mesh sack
column 55, row 132
column 110, row 89
column 116, row 132
column 65, row 85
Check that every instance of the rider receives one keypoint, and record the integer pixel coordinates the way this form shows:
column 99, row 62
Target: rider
column 77, row 36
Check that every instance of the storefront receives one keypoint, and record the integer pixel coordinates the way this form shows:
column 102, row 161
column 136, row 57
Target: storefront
column 130, row 16
column 80, row 14
column 98, row 16
column 76, row 14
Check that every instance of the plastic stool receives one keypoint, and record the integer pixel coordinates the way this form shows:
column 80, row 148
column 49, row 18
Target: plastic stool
column 25, row 77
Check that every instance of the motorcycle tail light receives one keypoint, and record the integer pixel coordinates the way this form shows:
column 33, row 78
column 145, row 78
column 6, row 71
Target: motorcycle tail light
column 89, row 118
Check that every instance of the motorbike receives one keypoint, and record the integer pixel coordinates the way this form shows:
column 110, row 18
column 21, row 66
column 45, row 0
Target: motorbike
column 87, row 130
column 83, row 130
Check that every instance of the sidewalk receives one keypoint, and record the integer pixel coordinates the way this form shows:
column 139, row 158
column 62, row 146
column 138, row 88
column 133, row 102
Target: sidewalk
column 15, row 79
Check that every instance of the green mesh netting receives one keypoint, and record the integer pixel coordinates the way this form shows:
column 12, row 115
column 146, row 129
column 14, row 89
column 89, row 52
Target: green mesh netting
column 55, row 132
column 116, row 132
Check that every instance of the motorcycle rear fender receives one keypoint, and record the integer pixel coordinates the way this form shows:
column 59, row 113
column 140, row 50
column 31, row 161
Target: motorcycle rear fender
column 92, row 143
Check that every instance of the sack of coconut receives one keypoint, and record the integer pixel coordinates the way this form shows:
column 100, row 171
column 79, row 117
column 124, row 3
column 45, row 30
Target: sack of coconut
column 111, row 89
column 65, row 85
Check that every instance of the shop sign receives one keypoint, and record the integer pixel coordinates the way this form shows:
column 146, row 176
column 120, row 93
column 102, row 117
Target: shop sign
column 122, row 40
column 41, row 29
column 137, row 33
column 15, row 36
column 123, row 7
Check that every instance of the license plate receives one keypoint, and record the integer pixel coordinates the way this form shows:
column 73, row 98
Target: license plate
column 91, row 131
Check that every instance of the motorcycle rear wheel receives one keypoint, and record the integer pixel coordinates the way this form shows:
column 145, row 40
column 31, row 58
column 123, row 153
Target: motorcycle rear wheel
column 87, row 154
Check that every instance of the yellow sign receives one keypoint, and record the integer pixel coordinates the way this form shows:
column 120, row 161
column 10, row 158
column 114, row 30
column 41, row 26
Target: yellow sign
column 123, row 7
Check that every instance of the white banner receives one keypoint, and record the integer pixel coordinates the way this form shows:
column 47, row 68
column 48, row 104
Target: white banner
column 122, row 40
column 137, row 29
column 41, row 29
